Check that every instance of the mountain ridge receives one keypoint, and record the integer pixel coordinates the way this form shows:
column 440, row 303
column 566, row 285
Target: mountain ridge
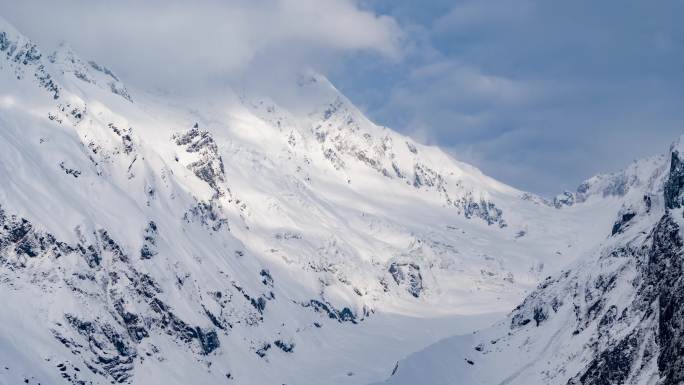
column 611, row 318
column 241, row 238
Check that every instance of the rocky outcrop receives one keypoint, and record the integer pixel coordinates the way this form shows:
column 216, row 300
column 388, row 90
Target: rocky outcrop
column 664, row 285
column 482, row 209
column 637, row 176
column 208, row 165
column 149, row 247
column 624, row 218
column 342, row 315
column 343, row 138
column 567, row 198
column 107, row 344
column 106, row 350
column 207, row 214
column 24, row 56
column 408, row 276
column 674, row 186
column 615, row 318
column 89, row 72
column 637, row 340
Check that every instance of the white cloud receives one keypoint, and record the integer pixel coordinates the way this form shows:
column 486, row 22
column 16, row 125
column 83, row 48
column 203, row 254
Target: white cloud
column 192, row 40
column 453, row 99
column 467, row 83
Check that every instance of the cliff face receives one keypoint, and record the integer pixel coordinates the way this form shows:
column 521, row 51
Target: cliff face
column 613, row 318
column 226, row 239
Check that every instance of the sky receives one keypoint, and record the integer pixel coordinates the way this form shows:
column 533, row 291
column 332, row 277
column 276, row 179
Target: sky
column 538, row 94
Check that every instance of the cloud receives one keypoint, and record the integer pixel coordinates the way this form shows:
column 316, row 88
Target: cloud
column 447, row 101
column 464, row 83
column 538, row 94
column 164, row 42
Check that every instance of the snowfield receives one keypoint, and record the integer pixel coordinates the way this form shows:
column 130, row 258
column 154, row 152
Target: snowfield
column 612, row 317
column 155, row 239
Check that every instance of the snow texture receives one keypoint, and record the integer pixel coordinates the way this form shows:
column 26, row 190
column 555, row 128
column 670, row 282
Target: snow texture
column 151, row 239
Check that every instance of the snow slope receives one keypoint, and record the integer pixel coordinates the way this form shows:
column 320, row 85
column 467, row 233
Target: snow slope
column 613, row 317
column 149, row 238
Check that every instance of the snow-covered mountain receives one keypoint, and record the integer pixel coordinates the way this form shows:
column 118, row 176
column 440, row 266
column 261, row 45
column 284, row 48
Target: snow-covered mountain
column 613, row 317
column 149, row 238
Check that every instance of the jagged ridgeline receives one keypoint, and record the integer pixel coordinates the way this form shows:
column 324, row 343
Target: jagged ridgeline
column 150, row 238
column 615, row 317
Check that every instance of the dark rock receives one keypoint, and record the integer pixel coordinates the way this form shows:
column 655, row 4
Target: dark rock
column 149, row 247
column 408, row 274
column 612, row 366
column 266, row 278
column 261, row 352
column 69, row 171
column 666, row 272
column 539, row 315
column 207, row 214
column 622, row 222
column 284, row 346
column 567, row 198
column 674, row 183
column 209, row 340
column 209, row 167
column 344, row 315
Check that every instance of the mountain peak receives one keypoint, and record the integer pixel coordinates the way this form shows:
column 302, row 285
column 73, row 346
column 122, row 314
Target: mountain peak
column 261, row 242
column 69, row 62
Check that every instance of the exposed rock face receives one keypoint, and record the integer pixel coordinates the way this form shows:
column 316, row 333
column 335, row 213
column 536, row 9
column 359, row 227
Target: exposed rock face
column 89, row 72
column 149, row 248
column 111, row 353
column 641, row 338
column 567, row 198
column 644, row 337
column 623, row 221
column 343, row 139
column 665, row 278
column 618, row 184
column 23, row 56
column 116, row 232
column 208, row 215
column 483, row 209
column 109, row 345
column 614, row 319
column 209, row 165
column 675, row 183
column 407, row 275
column 19, row 241
column 343, row 315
